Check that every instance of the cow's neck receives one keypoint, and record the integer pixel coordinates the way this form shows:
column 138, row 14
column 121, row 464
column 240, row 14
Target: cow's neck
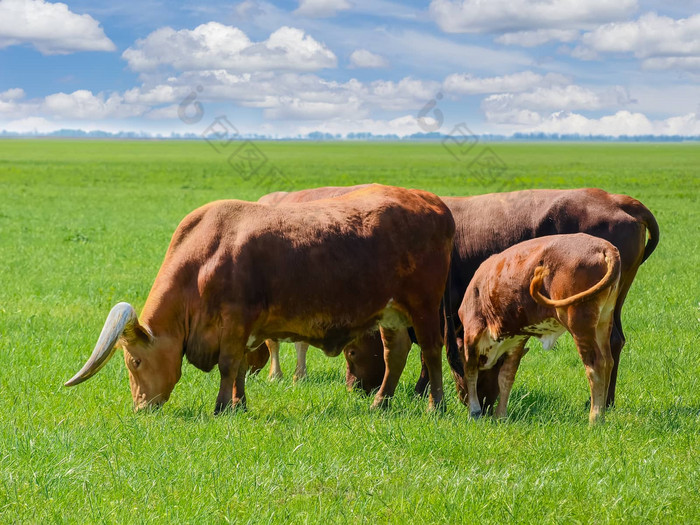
column 164, row 315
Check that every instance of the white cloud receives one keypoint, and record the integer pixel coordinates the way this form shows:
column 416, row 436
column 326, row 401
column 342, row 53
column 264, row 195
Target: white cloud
column 621, row 123
column 11, row 104
column 291, row 108
column 12, row 94
column 661, row 42
column 560, row 98
column 321, row 8
column 538, row 37
column 50, row 28
column 530, row 107
column 401, row 126
column 270, row 90
column 479, row 16
column 687, row 63
column 467, row 84
column 155, row 95
column 217, row 46
column 31, row 125
column 283, row 96
column 82, row 104
column 407, row 93
column 362, row 58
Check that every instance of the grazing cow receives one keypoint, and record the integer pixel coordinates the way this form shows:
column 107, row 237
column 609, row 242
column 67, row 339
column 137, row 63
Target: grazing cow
column 540, row 288
column 301, row 347
column 237, row 273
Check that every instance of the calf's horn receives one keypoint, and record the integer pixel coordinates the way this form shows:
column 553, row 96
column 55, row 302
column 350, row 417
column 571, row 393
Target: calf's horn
column 122, row 317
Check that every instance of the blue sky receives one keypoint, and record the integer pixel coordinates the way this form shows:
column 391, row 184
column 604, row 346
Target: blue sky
column 291, row 67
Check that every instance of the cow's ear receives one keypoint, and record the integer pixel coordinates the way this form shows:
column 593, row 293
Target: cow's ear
column 135, row 335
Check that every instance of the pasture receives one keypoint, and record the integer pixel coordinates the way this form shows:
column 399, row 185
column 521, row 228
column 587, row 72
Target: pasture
column 85, row 224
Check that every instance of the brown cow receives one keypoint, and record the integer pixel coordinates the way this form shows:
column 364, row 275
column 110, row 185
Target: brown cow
column 504, row 306
column 237, row 273
column 301, row 347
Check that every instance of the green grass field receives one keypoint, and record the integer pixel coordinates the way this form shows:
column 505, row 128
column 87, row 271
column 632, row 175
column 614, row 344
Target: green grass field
column 84, row 225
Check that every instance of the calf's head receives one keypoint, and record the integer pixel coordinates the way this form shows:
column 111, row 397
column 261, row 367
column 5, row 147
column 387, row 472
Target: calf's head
column 154, row 364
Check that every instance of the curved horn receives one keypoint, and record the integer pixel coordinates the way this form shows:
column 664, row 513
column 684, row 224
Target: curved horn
column 122, row 317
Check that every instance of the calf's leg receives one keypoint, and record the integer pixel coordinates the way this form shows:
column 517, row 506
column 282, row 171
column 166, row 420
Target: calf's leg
column 471, row 377
column 598, row 362
column 506, row 377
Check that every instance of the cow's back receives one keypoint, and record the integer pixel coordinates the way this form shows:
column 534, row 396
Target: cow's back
column 307, row 195
column 489, row 224
column 345, row 257
column 363, row 239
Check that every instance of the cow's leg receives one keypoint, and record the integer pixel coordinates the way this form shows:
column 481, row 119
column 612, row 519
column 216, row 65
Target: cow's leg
column 617, row 336
column 397, row 344
column 231, row 363
column 239, row 400
column 617, row 341
column 430, row 340
column 423, row 380
column 300, row 372
column 506, row 377
column 275, row 369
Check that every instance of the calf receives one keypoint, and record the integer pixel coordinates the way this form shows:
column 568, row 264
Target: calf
column 540, row 288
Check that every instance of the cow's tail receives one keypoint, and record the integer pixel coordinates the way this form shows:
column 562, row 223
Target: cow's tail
column 640, row 212
column 453, row 357
column 612, row 258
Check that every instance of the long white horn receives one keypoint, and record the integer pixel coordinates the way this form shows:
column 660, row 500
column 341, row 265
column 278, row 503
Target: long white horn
column 122, row 317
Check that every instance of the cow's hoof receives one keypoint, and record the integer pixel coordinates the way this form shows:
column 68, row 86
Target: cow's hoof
column 437, row 408
column 380, row 404
column 475, row 414
column 421, row 389
column 221, row 408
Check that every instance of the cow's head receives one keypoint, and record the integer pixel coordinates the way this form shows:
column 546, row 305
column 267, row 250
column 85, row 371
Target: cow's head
column 365, row 357
column 154, row 363
column 487, row 387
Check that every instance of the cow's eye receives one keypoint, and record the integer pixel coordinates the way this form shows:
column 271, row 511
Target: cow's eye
column 136, row 362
